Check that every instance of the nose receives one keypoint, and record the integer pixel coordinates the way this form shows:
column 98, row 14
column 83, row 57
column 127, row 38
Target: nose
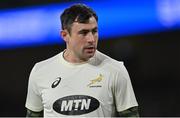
column 90, row 37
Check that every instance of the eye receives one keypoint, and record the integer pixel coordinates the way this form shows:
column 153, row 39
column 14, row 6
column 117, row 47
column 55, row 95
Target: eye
column 94, row 31
column 84, row 32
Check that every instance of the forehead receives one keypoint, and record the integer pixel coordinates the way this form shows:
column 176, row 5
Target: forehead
column 76, row 26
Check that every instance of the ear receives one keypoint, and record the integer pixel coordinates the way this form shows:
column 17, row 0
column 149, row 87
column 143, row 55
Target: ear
column 65, row 35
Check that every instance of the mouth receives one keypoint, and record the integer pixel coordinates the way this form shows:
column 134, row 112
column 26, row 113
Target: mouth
column 90, row 49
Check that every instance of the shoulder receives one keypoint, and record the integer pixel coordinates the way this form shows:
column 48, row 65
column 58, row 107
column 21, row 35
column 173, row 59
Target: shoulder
column 116, row 69
column 110, row 63
column 103, row 57
column 46, row 65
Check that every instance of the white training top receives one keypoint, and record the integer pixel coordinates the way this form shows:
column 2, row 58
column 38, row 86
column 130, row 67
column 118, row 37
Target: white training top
column 96, row 88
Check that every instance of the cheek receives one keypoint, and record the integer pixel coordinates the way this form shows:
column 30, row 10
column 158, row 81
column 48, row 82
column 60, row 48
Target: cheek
column 96, row 38
column 78, row 44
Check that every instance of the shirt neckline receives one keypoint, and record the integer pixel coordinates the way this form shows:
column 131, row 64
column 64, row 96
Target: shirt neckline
column 69, row 64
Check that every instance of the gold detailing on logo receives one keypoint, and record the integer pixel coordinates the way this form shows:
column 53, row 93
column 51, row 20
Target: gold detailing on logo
column 98, row 79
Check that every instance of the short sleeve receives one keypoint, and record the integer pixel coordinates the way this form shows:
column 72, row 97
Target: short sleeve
column 33, row 100
column 123, row 91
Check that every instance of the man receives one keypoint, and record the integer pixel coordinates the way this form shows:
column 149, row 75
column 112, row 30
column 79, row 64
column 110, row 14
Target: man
column 80, row 81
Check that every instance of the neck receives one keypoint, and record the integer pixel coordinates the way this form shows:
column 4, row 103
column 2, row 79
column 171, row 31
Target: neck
column 71, row 57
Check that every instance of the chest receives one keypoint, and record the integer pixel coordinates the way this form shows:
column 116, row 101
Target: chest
column 77, row 90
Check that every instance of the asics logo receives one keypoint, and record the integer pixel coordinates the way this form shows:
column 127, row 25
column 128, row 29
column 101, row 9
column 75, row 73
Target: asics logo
column 56, row 82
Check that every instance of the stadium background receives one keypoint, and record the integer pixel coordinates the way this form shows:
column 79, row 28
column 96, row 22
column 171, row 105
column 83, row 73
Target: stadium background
column 150, row 51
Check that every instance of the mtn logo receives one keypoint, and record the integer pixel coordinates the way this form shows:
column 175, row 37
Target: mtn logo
column 75, row 105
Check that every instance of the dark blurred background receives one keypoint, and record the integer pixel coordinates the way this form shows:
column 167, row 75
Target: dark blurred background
column 151, row 58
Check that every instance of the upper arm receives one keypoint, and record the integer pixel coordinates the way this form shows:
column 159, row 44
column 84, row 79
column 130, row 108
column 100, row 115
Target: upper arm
column 123, row 92
column 34, row 99
column 31, row 113
column 131, row 112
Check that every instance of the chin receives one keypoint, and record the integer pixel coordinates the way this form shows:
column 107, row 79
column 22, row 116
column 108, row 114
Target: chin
column 90, row 55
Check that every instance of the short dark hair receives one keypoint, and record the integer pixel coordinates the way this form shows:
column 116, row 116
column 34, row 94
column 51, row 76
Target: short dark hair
column 76, row 13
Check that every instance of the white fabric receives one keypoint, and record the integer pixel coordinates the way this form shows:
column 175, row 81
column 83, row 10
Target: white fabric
column 111, row 86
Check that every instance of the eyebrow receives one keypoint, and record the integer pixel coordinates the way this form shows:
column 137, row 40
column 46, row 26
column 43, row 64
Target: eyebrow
column 87, row 30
